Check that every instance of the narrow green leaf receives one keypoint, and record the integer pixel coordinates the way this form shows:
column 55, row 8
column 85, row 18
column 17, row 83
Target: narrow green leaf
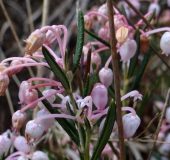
column 66, row 61
column 134, row 60
column 123, row 11
column 56, row 68
column 95, row 78
column 149, row 19
column 97, row 38
column 141, row 69
column 111, row 91
column 106, row 157
column 143, row 104
column 106, row 132
column 69, row 109
column 88, row 136
column 66, row 124
column 80, row 41
column 86, row 88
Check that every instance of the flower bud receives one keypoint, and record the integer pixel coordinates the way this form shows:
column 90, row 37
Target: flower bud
column 144, row 44
column 127, row 50
column 164, row 148
column 46, row 123
column 136, row 4
column 102, row 10
column 20, row 143
column 99, row 96
column 39, row 155
column 167, row 114
column 49, row 99
column 130, row 124
column 34, row 41
column 5, row 144
column 16, row 70
column 117, row 22
column 4, row 82
column 165, row 43
column 23, row 87
column 88, row 22
column 104, row 34
column 106, row 76
column 122, row 34
column 85, row 54
column 18, row 119
column 51, row 37
column 95, row 58
column 154, row 6
column 33, row 131
column 31, row 96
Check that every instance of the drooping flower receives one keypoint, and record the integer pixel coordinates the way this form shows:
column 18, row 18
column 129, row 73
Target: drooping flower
column 128, row 50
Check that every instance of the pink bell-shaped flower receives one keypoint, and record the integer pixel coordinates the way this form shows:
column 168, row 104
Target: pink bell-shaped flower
column 5, row 144
column 33, row 131
column 131, row 123
column 20, row 143
column 39, row 155
column 23, row 87
column 46, row 123
column 104, row 34
column 102, row 10
column 18, row 119
column 99, row 96
column 127, row 50
column 106, row 76
column 165, row 43
column 95, row 58
column 30, row 96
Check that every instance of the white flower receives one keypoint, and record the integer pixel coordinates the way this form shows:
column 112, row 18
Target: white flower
column 165, row 43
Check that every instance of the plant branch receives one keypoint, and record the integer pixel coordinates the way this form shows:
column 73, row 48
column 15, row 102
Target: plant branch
column 160, row 123
column 116, row 78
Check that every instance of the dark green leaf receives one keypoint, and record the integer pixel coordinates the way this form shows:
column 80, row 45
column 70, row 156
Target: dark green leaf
column 134, row 60
column 56, row 68
column 80, row 41
column 88, row 136
column 65, row 123
column 97, row 38
column 123, row 11
column 111, row 91
column 66, row 61
column 143, row 104
column 141, row 69
column 95, row 78
column 106, row 132
column 86, row 88
column 69, row 109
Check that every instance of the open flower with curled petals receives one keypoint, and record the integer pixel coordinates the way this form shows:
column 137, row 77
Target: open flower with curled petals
column 135, row 94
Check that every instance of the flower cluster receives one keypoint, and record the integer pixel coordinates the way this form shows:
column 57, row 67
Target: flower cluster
column 83, row 110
